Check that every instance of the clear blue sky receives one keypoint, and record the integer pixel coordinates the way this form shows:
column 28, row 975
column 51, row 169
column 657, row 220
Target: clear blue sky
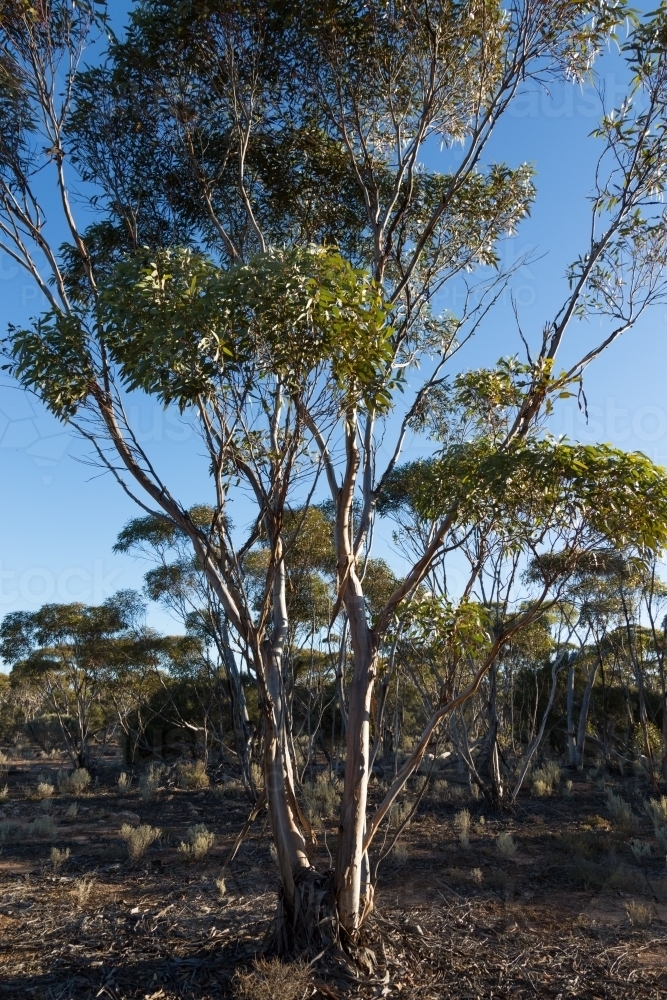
column 60, row 516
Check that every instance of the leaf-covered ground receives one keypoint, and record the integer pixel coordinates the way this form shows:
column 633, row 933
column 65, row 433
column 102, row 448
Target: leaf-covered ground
column 573, row 913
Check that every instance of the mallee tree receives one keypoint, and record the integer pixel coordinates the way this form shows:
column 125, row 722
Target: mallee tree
column 266, row 253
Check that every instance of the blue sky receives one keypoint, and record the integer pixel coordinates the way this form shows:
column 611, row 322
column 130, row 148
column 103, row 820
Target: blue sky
column 60, row 516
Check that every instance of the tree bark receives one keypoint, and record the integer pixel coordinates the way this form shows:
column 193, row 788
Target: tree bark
column 350, row 858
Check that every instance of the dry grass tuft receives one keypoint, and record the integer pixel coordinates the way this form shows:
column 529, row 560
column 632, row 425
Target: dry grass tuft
column 440, row 791
column 257, row 775
column 477, row 876
column 82, row 890
column 545, row 779
column 150, row 780
column 400, row 852
column 192, row 775
column 639, row 915
column 505, row 844
column 226, row 788
column 621, row 813
column 139, row 839
column 221, row 885
column 58, row 857
column 44, row 790
column 657, row 810
column 462, row 827
column 124, row 781
column 74, row 782
column 4, row 793
column 199, row 843
column 270, row 979
column 73, row 811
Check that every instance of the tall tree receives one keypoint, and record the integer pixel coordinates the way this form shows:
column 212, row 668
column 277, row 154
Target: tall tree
column 248, row 133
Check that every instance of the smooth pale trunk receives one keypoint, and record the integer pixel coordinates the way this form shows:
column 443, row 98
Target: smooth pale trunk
column 583, row 716
column 571, row 742
column 287, row 837
column 350, row 861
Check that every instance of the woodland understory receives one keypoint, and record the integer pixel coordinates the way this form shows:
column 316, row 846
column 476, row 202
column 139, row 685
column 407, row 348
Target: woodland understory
column 573, row 912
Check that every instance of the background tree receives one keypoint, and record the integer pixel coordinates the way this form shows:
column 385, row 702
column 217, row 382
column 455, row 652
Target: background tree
column 73, row 653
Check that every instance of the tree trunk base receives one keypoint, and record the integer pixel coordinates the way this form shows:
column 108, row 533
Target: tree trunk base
column 312, row 929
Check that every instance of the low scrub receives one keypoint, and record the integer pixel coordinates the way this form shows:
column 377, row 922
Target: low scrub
column 192, row 775
column 657, row 811
column 321, row 799
column 639, row 915
column 44, row 790
column 462, row 827
column 74, row 782
column 139, row 839
column 640, row 851
column 82, row 890
column 150, row 781
column 505, row 844
column 42, row 826
column 199, row 843
column 227, row 788
column 400, row 852
column 58, row 857
column 621, row 813
column 545, row 779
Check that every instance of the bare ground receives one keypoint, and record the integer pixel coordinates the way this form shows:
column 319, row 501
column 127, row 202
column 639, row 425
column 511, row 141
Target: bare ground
column 553, row 921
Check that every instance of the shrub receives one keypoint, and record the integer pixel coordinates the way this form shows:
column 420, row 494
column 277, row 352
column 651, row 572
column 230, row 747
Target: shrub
column 462, row 827
column 657, row 810
column 10, row 831
column 270, row 979
column 82, row 890
column 621, row 812
column 400, row 812
column 226, row 788
column 439, row 791
column 199, row 843
column 43, row 826
column 639, row 915
column 150, row 780
column 74, row 782
column 72, row 812
column 44, row 790
column 321, row 799
column 506, row 845
column 640, row 850
column 192, row 775
column 401, row 852
column 58, row 858
column 139, row 839
column 545, row 779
